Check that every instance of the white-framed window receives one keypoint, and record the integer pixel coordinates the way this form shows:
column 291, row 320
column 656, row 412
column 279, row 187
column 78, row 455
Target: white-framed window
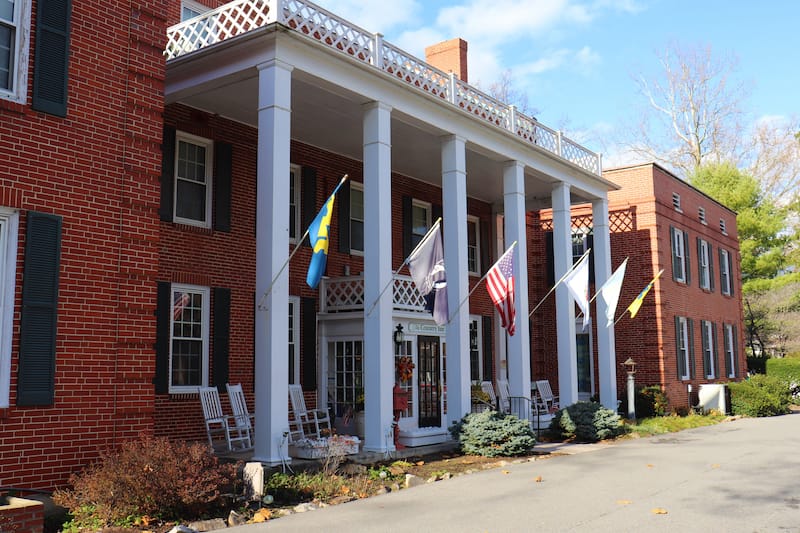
column 682, row 340
column 701, row 214
column 580, row 243
column 704, row 261
column 294, row 203
column 420, row 221
column 356, row 218
column 189, row 334
column 194, row 164
column 723, row 227
column 729, row 339
column 678, row 256
column 9, row 224
column 676, row 202
column 725, row 271
column 346, row 366
column 473, row 246
column 190, row 9
column 294, row 340
column 709, row 357
column 15, row 23
column 476, row 350
column 401, row 350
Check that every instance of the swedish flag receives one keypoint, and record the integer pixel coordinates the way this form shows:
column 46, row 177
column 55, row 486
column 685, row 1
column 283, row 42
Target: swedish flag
column 319, row 235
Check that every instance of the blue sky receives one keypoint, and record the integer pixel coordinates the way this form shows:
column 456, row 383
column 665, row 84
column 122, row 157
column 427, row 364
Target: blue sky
column 575, row 59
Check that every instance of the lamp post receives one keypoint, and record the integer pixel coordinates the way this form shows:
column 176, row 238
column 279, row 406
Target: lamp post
column 630, row 367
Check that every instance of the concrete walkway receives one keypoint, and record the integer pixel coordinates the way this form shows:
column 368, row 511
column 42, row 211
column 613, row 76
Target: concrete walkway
column 736, row 476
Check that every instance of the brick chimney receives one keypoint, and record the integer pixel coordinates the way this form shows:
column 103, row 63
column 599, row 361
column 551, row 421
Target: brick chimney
column 449, row 56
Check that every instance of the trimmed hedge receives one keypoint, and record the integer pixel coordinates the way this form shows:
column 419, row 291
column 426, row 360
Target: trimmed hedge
column 761, row 395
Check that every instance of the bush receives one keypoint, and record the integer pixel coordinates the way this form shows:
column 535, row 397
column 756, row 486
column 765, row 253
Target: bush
column 586, row 422
column 650, row 401
column 152, row 477
column 493, row 434
column 761, row 395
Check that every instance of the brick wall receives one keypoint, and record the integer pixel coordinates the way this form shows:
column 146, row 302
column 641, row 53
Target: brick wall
column 98, row 169
column 22, row 516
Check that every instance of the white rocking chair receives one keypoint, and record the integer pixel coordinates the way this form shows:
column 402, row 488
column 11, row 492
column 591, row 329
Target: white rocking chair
column 546, row 402
column 306, row 423
column 243, row 420
column 218, row 422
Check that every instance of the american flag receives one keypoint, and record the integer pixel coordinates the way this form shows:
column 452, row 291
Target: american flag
column 500, row 284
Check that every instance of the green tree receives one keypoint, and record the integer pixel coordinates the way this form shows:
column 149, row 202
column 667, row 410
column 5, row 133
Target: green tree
column 764, row 238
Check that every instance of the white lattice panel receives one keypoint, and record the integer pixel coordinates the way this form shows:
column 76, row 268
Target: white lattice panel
column 343, row 294
column 415, row 71
column 406, row 296
column 230, row 20
column 572, row 151
column 481, row 104
column 327, row 28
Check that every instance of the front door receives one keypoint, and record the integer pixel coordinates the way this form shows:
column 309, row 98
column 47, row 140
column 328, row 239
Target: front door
column 429, row 382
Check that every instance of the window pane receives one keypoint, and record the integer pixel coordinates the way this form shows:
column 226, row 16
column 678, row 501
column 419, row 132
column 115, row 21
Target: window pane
column 6, row 53
column 191, row 202
column 472, row 246
column 356, row 219
column 419, row 223
column 292, row 204
column 186, row 359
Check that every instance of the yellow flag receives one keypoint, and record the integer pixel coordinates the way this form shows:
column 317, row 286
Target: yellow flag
column 637, row 302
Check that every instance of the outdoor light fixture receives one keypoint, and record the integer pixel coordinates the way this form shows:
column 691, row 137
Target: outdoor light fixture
column 399, row 336
column 630, row 366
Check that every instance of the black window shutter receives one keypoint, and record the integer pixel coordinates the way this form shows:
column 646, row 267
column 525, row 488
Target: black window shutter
column 222, row 336
column 308, row 198
column 488, row 348
column 37, row 346
column 735, row 344
column 690, row 326
column 51, row 57
column 680, row 356
column 699, row 261
column 407, row 222
column 223, row 178
column 167, row 174
column 484, row 247
column 710, row 268
column 686, row 260
column 308, row 317
column 343, row 203
column 726, row 338
column 549, row 253
column 163, row 309
column 715, row 349
column 730, row 272
column 436, row 213
column 590, row 246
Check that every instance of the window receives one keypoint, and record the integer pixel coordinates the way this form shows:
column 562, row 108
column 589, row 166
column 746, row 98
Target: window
column 191, row 9
column 294, row 202
column 682, row 340
column 701, row 214
column 676, row 201
column 725, row 272
column 722, row 227
column 193, row 167
column 294, row 340
column 189, row 338
column 709, row 347
column 402, row 354
column 346, row 362
column 729, row 340
column 679, row 263
column 473, row 246
column 475, row 352
column 704, row 257
column 420, row 221
column 9, row 222
column 580, row 243
column 356, row 217
column 15, row 16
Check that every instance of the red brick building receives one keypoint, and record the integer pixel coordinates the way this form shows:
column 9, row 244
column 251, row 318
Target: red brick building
column 150, row 201
column 688, row 331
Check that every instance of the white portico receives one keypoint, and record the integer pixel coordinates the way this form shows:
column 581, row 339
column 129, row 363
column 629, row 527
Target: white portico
column 297, row 72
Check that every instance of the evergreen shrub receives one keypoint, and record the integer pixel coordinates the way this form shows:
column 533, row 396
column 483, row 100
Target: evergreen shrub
column 586, row 422
column 493, row 434
column 760, row 395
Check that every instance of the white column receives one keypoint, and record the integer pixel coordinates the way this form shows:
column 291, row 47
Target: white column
column 454, row 192
column 519, row 345
column 378, row 344
column 606, row 353
column 272, row 251
column 565, row 306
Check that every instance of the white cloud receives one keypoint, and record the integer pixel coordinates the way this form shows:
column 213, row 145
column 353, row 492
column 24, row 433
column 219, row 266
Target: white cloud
column 374, row 16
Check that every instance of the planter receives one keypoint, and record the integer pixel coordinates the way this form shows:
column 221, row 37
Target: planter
column 320, row 448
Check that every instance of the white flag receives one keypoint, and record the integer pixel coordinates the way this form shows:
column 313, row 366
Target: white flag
column 426, row 264
column 577, row 281
column 609, row 292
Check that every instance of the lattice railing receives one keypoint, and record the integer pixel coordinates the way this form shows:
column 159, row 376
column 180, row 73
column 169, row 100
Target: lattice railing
column 242, row 16
column 347, row 294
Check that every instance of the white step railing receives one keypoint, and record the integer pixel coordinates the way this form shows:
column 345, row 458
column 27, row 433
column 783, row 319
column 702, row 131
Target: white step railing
column 241, row 16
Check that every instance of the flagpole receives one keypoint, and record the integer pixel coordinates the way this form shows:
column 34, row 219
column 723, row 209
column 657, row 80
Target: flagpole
column 405, row 261
column 559, row 282
column 513, row 244
column 260, row 305
column 653, row 282
column 596, row 294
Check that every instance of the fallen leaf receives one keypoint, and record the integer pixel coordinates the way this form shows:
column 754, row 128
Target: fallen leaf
column 538, row 479
column 420, row 463
column 262, row 515
column 624, row 502
column 715, row 465
column 658, row 510
column 345, row 489
column 506, row 471
column 650, row 466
